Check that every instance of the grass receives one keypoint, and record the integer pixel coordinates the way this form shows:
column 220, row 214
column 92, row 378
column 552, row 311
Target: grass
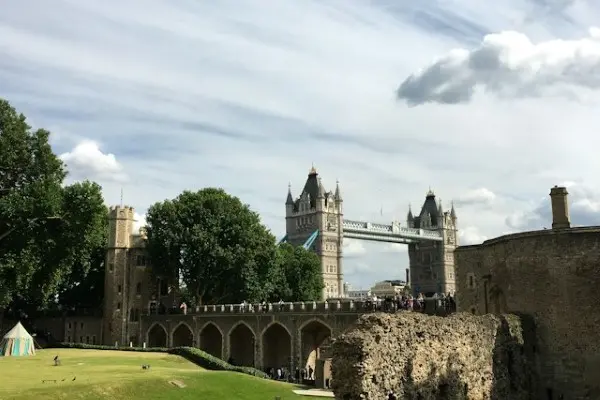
column 118, row 375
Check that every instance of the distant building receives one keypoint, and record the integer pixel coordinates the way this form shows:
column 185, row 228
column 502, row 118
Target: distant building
column 388, row 288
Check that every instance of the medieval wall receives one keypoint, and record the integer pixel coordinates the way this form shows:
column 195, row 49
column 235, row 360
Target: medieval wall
column 553, row 276
column 425, row 357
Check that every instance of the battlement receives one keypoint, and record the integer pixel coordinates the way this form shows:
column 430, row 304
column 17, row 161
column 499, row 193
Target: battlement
column 114, row 211
column 338, row 306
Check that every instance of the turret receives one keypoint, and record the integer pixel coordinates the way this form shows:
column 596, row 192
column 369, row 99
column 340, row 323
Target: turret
column 453, row 214
column 338, row 193
column 289, row 202
column 410, row 218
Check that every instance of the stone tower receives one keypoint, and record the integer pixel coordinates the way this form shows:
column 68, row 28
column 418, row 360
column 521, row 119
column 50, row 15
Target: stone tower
column 318, row 210
column 127, row 283
column 432, row 263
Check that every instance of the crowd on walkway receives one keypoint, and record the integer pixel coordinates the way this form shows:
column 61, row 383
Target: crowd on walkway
column 439, row 302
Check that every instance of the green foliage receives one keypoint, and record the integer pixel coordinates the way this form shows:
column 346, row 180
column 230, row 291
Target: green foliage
column 192, row 354
column 218, row 245
column 48, row 232
column 298, row 276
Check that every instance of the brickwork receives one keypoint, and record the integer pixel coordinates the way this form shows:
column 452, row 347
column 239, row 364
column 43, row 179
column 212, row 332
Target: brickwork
column 553, row 276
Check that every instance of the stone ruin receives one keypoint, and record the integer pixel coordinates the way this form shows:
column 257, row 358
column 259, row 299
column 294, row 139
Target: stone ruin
column 420, row 357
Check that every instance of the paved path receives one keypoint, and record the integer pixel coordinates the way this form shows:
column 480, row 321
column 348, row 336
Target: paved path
column 315, row 393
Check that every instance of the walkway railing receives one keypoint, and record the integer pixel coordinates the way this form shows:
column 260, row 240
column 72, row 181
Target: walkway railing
column 429, row 306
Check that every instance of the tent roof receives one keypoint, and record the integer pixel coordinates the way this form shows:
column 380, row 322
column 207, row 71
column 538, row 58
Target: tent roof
column 18, row 332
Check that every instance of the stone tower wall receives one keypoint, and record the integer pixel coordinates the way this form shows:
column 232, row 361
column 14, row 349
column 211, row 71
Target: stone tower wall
column 116, row 301
column 553, row 276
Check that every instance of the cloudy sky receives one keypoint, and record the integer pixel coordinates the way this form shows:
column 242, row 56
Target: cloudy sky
column 488, row 104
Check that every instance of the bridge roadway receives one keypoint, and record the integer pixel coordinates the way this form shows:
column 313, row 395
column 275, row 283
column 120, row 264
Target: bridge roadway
column 265, row 336
column 392, row 233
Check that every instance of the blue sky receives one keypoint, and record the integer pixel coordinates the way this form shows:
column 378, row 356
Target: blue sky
column 490, row 105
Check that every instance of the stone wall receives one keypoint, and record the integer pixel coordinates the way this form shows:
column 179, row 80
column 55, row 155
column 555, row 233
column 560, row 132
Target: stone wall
column 424, row 357
column 552, row 275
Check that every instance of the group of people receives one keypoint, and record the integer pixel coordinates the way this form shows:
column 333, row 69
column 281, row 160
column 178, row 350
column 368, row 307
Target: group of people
column 408, row 302
column 283, row 374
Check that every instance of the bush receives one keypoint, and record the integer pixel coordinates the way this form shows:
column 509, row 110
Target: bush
column 192, row 354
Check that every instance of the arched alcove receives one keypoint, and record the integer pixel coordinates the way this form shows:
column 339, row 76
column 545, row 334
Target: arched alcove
column 157, row 336
column 314, row 338
column 241, row 345
column 276, row 347
column 183, row 336
column 211, row 340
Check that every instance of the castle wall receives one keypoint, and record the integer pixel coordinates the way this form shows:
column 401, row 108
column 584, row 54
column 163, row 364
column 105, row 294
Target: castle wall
column 422, row 357
column 552, row 276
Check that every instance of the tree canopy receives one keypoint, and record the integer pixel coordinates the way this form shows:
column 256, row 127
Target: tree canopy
column 298, row 276
column 48, row 231
column 222, row 251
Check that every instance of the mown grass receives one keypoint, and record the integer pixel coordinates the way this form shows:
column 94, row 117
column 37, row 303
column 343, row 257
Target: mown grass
column 118, row 375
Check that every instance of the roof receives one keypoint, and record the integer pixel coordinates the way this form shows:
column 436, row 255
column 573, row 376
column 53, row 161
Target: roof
column 18, row 332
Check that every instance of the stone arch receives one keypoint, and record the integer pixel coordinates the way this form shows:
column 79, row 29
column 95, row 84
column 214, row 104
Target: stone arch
column 315, row 335
column 242, row 342
column 211, row 339
column 498, row 300
column 276, row 341
column 156, row 336
column 182, row 335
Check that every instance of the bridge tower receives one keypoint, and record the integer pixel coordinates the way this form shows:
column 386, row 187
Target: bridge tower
column 318, row 210
column 432, row 263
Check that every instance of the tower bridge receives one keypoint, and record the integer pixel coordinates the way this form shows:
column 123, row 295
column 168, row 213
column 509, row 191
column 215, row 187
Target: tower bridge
column 315, row 220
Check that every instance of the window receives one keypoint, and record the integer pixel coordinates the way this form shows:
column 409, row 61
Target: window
column 163, row 288
column 140, row 260
column 471, row 281
column 80, row 339
column 119, row 289
column 134, row 315
column 69, row 325
column 119, row 306
column 93, row 339
column 81, row 325
column 138, row 288
column 87, row 339
column 111, row 267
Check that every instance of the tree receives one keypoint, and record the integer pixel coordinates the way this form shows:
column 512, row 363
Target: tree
column 216, row 244
column 84, row 238
column 47, row 230
column 298, row 276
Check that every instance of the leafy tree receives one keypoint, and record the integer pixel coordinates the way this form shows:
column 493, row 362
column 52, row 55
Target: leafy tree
column 298, row 276
column 47, row 231
column 216, row 244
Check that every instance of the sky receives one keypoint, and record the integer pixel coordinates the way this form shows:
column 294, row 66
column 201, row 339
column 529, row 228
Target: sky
column 487, row 104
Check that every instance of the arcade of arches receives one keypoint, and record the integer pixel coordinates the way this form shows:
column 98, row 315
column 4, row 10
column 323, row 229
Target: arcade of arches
column 275, row 346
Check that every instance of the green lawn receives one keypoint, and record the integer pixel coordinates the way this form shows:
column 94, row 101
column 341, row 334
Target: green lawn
column 103, row 374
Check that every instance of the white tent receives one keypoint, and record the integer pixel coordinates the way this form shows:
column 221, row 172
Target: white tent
column 17, row 342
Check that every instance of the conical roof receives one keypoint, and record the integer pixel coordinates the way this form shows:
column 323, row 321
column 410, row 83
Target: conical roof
column 18, row 332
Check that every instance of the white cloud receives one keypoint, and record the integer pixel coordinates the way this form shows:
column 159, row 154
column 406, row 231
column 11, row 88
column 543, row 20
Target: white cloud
column 353, row 247
column 271, row 87
column 88, row 161
column 140, row 222
column 481, row 196
column 508, row 64
column 470, row 235
column 584, row 209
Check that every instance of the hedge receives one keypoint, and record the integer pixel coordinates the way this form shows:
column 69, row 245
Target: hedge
column 197, row 356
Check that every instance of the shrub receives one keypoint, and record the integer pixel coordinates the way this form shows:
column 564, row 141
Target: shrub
column 192, row 354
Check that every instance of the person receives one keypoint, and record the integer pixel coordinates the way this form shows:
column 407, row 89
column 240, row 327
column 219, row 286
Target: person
column 56, row 361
